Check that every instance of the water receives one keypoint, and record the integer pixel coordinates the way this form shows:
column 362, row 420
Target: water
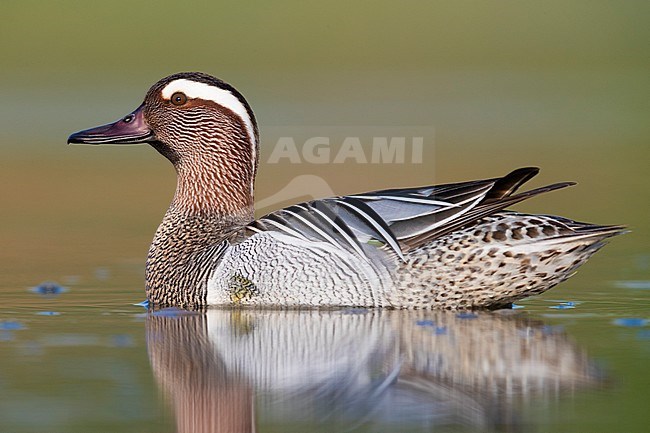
column 82, row 357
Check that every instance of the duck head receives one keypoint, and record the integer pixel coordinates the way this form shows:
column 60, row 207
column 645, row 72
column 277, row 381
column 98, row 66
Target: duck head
column 208, row 131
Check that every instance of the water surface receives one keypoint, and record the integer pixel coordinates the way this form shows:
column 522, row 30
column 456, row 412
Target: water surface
column 72, row 364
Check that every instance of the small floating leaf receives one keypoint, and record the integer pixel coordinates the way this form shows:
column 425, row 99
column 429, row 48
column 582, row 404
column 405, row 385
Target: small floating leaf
column 174, row 312
column 424, row 323
column 631, row 322
column 48, row 288
column 567, row 305
column 11, row 325
column 440, row 330
column 144, row 304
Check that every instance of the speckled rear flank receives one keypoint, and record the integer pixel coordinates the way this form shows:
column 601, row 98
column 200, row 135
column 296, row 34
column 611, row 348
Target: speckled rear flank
column 501, row 259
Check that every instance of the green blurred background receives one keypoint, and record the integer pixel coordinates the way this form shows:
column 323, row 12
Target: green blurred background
column 562, row 85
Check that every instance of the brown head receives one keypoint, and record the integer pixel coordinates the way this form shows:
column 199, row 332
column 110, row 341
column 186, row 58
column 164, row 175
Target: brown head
column 207, row 130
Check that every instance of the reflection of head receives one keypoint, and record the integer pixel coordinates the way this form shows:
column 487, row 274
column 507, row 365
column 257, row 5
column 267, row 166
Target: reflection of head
column 205, row 397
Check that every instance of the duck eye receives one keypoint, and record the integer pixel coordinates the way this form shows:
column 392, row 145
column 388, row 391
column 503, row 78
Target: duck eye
column 178, row 98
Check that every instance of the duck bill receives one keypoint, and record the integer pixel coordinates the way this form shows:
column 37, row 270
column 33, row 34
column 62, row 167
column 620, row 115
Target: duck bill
column 131, row 129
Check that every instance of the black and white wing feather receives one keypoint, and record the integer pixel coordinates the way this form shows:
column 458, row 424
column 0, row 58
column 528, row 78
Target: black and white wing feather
column 398, row 219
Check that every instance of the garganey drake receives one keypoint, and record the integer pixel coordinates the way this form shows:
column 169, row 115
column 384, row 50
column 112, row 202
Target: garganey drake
column 448, row 246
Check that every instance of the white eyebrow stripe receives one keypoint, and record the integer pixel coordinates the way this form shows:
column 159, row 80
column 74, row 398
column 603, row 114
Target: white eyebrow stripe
column 207, row 92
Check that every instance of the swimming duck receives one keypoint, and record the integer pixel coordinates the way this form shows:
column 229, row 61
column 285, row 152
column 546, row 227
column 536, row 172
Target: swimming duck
column 450, row 246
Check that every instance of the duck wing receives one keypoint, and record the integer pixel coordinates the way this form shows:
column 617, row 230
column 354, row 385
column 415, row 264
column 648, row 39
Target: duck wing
column 399, row 219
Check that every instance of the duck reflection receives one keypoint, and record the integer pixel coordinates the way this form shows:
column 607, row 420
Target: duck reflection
column 378, row 370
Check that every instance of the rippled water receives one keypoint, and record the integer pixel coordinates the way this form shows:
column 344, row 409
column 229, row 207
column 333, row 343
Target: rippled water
column 72, row 364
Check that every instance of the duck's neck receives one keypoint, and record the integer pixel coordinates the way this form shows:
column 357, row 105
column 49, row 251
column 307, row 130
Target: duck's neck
column 213, row 189
column 213, row 201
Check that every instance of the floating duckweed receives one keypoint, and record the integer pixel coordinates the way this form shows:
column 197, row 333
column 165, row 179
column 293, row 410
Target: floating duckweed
column 144, row 304
column 631, row 322
column 424, row 323
column 48, row 288
column 566, row 305
column 11, row 325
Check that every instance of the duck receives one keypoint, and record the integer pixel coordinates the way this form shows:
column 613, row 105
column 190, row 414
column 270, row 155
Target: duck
column 454, row 246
